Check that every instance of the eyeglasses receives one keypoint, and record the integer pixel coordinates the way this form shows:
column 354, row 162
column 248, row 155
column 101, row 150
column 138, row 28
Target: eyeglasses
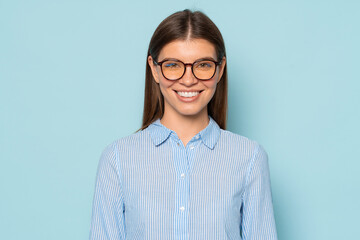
column 174, row 69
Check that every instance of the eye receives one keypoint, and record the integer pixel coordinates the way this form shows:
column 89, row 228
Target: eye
column 171, row 64
column 205, row 65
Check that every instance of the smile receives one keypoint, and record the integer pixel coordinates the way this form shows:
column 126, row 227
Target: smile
column 188, row 94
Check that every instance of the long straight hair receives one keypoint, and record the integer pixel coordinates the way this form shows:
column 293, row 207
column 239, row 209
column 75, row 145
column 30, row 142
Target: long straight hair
column 184, row 25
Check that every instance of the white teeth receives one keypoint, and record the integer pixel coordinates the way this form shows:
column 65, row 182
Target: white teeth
column 188, row 94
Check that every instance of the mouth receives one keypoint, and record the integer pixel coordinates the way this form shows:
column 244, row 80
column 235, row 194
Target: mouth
column 188, row 94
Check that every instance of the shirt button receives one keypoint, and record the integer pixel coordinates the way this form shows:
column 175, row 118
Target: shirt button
column 182, row 208
column 191, row 147
column 197, row 137
column 182, row 175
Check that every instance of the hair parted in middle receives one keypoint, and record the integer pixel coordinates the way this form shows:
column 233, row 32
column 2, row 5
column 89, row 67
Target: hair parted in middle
column 184, row 25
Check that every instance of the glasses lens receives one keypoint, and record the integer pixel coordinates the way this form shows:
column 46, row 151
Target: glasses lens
column 173, row 70
column 204, row 69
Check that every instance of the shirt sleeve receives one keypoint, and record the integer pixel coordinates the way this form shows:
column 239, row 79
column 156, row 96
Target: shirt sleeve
column 108, row 204
column 257, row 209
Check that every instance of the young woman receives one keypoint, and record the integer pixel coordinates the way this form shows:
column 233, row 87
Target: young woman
column 182, row 176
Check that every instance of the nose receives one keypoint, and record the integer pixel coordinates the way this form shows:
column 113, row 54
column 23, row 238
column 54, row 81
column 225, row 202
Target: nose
column 188, row 79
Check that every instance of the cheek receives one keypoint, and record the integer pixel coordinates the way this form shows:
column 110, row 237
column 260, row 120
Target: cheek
column 164, row 84
column 211, row 84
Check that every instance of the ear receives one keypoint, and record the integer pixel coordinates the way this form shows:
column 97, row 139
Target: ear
column 221, row 68
column 153, row 69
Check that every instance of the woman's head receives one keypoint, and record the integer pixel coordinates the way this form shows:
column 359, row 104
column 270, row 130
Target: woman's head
column 183, row 35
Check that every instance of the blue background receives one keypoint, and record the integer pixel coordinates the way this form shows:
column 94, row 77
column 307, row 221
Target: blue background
column 72, row 81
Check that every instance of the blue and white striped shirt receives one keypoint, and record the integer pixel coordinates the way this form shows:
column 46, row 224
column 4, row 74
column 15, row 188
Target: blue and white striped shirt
column 149, row 186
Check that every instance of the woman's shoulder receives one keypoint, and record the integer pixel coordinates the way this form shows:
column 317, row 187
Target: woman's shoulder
column 239, row 142
column 128, row 142
column 227, row 135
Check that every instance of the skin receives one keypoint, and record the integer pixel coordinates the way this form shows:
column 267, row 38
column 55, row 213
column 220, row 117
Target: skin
column 186, row 118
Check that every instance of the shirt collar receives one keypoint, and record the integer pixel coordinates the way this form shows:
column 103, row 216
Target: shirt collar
column 158, row 132
column 209, row 135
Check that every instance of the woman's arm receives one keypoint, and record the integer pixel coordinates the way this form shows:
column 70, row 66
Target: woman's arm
column 257, row 210
column 108, row 205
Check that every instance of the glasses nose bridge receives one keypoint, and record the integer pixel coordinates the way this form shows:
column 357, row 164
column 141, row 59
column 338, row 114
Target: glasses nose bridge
column 191, row 67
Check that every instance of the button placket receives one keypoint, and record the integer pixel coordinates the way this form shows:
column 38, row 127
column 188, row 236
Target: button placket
column 182, row 189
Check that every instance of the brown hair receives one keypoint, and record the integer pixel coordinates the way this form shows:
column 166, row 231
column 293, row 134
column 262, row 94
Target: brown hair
column 183, row 25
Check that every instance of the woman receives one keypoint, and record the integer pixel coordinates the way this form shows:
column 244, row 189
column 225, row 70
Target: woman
column 182, row 176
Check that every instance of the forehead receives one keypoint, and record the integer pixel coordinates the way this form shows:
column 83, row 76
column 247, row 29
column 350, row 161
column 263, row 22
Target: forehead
column 188, row 50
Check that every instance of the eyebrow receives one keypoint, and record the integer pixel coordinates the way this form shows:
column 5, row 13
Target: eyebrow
column 200, row 59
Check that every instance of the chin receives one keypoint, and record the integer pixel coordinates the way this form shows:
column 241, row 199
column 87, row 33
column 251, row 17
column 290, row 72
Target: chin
column 190, row 112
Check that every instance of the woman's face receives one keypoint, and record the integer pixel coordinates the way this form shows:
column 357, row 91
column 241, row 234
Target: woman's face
column 187, row 96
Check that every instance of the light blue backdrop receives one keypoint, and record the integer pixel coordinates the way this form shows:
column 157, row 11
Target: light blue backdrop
column 72, row 81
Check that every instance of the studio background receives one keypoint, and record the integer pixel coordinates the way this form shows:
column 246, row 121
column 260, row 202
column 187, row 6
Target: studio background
column 72, row 81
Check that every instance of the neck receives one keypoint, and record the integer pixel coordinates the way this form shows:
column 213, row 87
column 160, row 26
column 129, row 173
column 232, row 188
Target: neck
column 186, row 127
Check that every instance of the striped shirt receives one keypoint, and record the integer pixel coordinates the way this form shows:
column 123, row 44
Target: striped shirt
column 150, row 186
